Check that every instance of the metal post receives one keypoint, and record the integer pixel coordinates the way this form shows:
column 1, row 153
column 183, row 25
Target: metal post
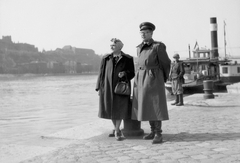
column 225, row 43
column 189, row 51
column 132, row 127
column 208, row 89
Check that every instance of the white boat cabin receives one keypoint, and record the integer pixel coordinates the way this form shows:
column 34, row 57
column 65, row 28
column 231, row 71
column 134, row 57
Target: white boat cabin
column 200, row 66
column 230, row 73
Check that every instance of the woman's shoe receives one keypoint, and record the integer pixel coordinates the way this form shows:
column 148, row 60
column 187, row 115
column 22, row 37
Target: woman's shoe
column 112, row 134
column 118, row 135
column 122, row 136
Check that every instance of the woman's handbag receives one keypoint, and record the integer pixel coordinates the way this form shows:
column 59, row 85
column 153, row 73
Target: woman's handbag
column 123, row 88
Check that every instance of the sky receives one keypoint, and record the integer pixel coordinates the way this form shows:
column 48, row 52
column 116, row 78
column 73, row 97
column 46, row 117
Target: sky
column 51, row 24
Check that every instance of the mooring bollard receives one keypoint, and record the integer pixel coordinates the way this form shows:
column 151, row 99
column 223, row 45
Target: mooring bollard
column 208, row 89
column 132, row 127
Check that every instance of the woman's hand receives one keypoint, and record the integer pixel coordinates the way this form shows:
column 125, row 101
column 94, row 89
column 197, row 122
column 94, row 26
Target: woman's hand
column 121, row 74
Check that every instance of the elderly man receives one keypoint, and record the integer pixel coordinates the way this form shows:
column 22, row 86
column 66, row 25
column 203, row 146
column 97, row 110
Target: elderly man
column 149, row 98
column 176, row 76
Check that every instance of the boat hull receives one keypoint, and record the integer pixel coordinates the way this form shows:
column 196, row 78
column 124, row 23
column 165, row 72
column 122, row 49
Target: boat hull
column 197, row 88
column 231, row 79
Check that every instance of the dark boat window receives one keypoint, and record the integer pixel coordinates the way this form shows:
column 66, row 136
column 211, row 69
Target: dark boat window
column 238, row 69
column 203, row 67
column 225, row 70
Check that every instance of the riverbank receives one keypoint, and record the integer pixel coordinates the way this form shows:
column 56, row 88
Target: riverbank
column 203, row 130
column 9, row 76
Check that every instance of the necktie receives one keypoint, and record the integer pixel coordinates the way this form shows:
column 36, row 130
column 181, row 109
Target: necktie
column 116, row 59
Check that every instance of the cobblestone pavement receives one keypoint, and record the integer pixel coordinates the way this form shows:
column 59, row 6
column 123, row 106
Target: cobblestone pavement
column 205, row 131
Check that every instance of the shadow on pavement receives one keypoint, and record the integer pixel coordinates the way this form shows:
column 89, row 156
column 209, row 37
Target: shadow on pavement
column 171, row 138
column 209, row 106
column 187, row 137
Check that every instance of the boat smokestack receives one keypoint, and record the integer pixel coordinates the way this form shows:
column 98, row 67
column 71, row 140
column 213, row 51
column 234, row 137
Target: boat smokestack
column 214, row 40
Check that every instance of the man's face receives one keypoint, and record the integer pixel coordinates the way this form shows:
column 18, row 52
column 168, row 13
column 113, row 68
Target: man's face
column 176, row 59
column 146, row 35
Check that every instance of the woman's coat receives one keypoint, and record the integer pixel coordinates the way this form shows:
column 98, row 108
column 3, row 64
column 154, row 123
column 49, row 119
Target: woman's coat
column 111, row 105
column 149, row 98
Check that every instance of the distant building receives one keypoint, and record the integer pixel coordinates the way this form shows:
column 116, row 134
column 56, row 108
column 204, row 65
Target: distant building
column 7, row 39
column 7, row 44
column 69, row 48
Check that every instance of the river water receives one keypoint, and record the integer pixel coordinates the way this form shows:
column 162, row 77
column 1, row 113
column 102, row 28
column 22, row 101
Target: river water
column 32, row 106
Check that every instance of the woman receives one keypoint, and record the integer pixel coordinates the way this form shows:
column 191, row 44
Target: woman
column 114, row 67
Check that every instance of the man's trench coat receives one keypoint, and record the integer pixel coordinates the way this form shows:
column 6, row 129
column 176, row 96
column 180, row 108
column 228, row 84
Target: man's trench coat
column 149, row 98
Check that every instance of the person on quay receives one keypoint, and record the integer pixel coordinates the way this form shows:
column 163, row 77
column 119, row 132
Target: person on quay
column 114, row 67
column 149, row 98
column 176, row 77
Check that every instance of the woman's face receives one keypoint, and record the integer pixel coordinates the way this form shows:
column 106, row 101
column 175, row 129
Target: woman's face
column 146, row 35
column 115, row 47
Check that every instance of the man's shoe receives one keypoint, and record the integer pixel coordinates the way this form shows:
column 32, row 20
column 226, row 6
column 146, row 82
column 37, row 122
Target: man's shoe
column 180, row 100
column 149, row 136
column 157, row 139
column 176, row 100
column 179, row 104
column 174, row 103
